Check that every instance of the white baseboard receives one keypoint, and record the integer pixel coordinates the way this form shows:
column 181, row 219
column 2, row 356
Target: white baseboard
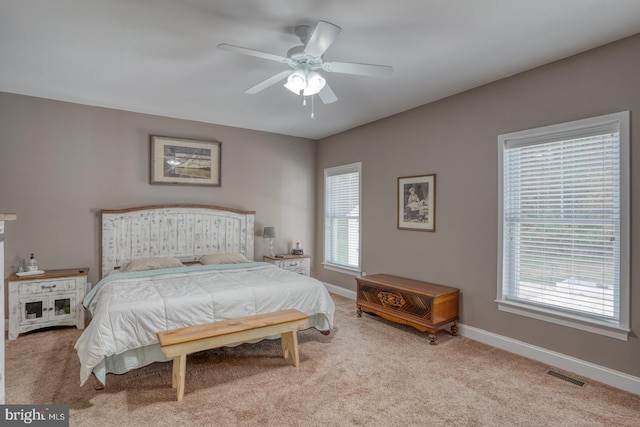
column 340, row 291
column 587, row 369
column 590, row 370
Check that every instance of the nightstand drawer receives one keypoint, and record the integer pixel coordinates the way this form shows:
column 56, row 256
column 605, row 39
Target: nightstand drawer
column 39, row 287
column 293, row 265
column 300, row 264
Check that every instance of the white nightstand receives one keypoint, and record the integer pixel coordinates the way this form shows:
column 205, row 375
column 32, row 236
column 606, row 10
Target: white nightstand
column 300, row 264
column 50, row 299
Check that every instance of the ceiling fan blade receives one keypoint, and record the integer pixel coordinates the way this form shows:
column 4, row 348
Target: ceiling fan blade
column 322, row 37
column 326, row 95
column 269, row 82
column 252, row 52
column 358, row 69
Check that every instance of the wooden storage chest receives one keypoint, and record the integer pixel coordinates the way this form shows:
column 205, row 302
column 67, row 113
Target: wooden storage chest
column 425, row 306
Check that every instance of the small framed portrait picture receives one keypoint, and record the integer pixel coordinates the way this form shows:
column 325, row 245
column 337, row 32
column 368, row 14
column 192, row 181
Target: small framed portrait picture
column 417, row 203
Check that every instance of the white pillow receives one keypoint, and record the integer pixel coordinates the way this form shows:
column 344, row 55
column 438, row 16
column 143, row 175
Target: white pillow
column 151, row 264
column 232, row 258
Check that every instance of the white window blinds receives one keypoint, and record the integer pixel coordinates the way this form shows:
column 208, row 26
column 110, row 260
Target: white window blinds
column 562, row 221
column 342, row 216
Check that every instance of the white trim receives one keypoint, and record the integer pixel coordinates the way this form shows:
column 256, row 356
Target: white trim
column 340, row 269
column 589, row 370
column 343, row 292
column 355, row 167
column 616, row 121
column 566, row 319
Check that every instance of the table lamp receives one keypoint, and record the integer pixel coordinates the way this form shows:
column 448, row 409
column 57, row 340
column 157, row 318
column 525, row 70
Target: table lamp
column 270, row 233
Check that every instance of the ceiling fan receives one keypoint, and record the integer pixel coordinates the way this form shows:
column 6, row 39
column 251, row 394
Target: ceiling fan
column 305, row 62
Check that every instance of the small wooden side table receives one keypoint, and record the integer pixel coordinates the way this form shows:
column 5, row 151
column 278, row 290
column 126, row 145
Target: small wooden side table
column 300, row 264
column 50, row 299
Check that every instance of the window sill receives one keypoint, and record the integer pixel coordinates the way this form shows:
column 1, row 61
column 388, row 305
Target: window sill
column 341, row 269
column 550, row 316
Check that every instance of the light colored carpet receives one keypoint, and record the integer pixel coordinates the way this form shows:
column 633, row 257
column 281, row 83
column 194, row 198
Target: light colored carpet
column 367, row 372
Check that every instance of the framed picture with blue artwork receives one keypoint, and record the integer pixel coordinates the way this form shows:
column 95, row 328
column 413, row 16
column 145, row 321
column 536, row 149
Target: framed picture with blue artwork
column 185, row 161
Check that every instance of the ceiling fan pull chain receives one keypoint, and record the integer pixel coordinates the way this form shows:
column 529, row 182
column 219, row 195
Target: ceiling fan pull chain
column 312, row 115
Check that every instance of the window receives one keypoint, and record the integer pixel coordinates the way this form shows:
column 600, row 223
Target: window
column 564, row 224
column 342, row 217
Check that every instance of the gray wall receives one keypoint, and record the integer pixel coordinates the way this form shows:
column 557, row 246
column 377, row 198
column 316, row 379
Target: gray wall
column 60, row 163
column 456, row 138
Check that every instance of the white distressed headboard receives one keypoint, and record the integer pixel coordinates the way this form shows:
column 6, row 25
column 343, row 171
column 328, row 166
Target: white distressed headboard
column 185, row 232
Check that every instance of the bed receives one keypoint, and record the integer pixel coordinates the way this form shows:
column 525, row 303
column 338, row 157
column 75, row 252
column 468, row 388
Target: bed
column 165, row 267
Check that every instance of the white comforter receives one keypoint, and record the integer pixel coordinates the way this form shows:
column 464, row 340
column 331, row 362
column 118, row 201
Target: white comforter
column 129, row 308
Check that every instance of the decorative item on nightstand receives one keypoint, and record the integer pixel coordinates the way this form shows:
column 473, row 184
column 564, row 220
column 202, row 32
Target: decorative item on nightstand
column 33, row 264
column 297, row 250
column 270, row 233
column 31, row 269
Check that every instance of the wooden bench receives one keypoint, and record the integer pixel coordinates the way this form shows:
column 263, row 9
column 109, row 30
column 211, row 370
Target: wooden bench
column 177, row 343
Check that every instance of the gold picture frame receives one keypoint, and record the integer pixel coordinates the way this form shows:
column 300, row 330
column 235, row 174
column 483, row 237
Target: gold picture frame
column 417, row 203
column 183, row 161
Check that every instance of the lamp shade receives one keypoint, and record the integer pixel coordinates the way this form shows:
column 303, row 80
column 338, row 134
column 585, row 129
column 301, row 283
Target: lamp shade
column 296, row 82
column 305, row 82
column 270, row 232
column 315, row 83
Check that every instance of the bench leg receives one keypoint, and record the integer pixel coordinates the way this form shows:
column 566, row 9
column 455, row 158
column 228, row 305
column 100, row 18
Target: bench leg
column 178, row 375
column 290, row 347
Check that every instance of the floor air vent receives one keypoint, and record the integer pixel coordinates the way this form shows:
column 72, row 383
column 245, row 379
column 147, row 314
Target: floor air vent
column 566, row 378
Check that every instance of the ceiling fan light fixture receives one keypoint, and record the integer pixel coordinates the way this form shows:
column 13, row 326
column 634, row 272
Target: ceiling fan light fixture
column 315, row 83
column 296, row 82
column 304, row 60
column 305, row 83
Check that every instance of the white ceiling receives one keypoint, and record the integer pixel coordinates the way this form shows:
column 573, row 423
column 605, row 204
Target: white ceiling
column 160, row 56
